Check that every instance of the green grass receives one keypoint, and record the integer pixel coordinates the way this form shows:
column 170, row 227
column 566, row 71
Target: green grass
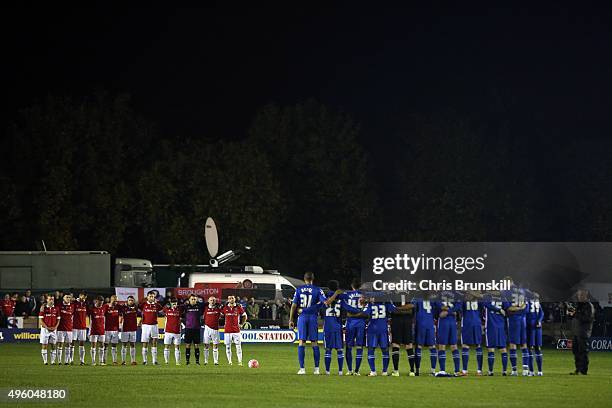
column 276, row 383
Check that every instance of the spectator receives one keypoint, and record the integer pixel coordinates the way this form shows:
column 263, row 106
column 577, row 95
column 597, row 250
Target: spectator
column 41, row 300
column 59, row 297
column 169, row 296
column 22, row 308
column 265, row 311
column 282, row 312
column 7, row 309
column 31, row 302
column 252, row 310
column 244, row 302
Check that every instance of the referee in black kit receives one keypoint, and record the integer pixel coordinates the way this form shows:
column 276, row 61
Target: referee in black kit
column 402, row 335
column 583, row 314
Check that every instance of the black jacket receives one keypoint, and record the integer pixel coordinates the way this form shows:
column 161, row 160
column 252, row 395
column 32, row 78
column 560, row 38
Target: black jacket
column 582, row 324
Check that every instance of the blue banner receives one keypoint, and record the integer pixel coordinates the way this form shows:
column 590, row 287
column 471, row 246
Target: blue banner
column 248, row 336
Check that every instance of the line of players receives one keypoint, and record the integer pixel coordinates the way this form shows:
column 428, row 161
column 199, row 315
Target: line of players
column 514, row 318
column 64, row 327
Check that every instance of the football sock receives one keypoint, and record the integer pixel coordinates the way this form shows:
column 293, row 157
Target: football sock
column 82, row 354
column 316, row 353
column 504, row 361
column 371, row 359
column 456, row 359
column 114, row 354
column 465, row 358
column 53, row 353
column 358, row 359
column 385, row 359
column 102, row 355
column 442, row 359
column 93, row 355
column 340, row 359
column 67, row 354
column 395, row 357
column 328, row 357
column 177, row 355
column 216, row 355
column 239, row 353
column 71, row 350
column 59, row 354
column 154, row 355
column 301, row 355
column 513, row 359
column 417, row 359
column 206, row 351
column 166, row 355
column 197, row 355
column 188, row 354
column 491, row 360
column 479, row 357
column 228, row 352
column 538, row 358
column 44, row 355
column 433, row 357
column 133, row 353
column 349, row 358
column 525, row 356
column 123, row 353
column 530, row 360
column 410, row 353
column 144, row 355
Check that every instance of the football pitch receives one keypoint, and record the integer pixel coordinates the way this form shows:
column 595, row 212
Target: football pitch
column 275, row 383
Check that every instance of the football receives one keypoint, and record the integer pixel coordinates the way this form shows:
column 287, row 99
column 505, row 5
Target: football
column 253, row 364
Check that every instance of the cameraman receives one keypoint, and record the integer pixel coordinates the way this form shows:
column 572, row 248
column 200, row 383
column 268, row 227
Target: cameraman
column 583, row 314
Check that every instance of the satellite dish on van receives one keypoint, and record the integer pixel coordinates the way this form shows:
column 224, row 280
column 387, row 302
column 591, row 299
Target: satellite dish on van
column 211, row 237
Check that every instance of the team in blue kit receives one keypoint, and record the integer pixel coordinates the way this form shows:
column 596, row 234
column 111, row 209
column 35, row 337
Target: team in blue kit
column 357, row 319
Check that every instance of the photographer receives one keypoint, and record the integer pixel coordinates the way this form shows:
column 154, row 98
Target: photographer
column 583, row 314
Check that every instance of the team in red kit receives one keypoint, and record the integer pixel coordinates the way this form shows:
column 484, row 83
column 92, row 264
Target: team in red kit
column 63, row 327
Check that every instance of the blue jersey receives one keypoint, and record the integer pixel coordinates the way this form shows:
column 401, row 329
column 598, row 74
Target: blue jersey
column 534, row 312
column 470, row 313
column 515, row 297
column 332, row 320
column 352, row 298
column 379, row 315
column 307, row 298
column 425, row 311
column 494, row 316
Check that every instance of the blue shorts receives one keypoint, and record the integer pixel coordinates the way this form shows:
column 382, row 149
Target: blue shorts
column 332, row 339
column 425, row 335
column 355, row 333
column 471, row 334
column 447, row 331
column 534, row 336
column 496, row 336
column 376, row 339
column 308, row 328
column 517, row 331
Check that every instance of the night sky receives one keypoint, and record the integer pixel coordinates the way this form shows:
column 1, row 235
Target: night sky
column 205, row 72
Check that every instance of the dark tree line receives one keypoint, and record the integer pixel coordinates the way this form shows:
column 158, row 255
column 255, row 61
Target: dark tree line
column 299, row 188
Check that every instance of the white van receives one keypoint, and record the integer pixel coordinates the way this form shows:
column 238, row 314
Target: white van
column 271, row 282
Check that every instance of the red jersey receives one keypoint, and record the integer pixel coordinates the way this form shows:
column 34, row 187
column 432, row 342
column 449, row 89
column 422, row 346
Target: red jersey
column 8, row 307
column 173, row 320
column 232, row 318
column 130, row 315
column 211, row 317
column 79, row 318
column 111, row 318
column 66, row 313
column 149, row 312
column 50, row 315
column 96, row 316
